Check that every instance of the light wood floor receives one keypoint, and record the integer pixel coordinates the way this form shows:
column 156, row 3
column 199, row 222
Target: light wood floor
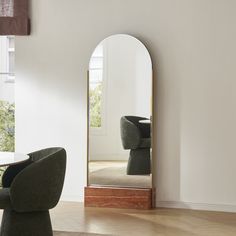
column 159, row 222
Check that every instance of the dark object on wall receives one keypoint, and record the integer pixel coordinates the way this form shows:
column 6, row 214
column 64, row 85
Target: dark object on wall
column 30, row 189
column 136, row 137
column 14, row 17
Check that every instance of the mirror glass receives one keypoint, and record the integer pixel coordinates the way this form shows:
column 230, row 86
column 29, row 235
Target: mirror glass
column 120, row 111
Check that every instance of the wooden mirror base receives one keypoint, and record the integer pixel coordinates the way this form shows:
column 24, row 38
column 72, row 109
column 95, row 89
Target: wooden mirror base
column 114, row 197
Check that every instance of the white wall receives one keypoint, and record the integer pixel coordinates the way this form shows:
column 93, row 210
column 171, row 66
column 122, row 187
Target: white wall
column 192, row 43
column 127, row 91
column 143, row 83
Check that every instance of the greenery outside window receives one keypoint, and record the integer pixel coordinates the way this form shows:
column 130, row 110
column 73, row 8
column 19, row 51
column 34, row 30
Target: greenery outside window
column 96, row 87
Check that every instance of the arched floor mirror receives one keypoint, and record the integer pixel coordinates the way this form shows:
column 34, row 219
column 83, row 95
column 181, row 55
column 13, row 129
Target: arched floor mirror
column 120, row 125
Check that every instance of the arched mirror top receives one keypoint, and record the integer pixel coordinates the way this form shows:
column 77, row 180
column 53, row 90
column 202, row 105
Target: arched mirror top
column 122, row 40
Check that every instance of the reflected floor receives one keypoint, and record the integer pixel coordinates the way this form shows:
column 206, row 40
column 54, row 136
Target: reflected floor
column 113, row 173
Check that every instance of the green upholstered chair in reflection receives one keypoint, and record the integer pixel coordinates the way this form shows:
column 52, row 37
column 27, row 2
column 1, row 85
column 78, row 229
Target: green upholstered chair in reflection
column 135, row 136
column 30, row 189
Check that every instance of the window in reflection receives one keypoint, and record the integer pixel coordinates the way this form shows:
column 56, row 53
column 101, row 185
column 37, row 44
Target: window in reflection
column 95, row 87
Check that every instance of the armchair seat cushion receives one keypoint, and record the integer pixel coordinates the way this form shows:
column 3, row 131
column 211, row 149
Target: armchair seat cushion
column 5, row 198
column 145, row 143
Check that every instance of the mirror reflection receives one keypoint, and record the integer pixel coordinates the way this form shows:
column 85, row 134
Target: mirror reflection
column 120, row 110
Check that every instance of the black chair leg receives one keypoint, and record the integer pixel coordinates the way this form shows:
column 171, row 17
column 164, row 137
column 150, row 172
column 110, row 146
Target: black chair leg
column 139, row 162
column 26, row 224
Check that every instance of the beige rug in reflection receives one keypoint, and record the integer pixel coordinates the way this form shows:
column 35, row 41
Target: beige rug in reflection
column 59, row 233
column 116, row 176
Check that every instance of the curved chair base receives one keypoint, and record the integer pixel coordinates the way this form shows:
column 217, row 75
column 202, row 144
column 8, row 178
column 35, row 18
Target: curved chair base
column 26, row 224
column 139, row 162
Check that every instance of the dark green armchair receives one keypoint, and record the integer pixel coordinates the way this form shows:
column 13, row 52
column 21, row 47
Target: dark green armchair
column 30, row 189
column 136, row 137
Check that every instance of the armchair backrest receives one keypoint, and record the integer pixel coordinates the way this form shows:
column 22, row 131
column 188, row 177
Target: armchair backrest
column 144, row 128
column 132, row 131
column 39, row 185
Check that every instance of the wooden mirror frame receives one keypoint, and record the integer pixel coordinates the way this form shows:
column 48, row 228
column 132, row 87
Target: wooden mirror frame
column 115, row 196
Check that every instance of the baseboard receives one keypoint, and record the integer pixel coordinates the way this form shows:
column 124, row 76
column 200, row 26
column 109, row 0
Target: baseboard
column 71, row 198
column 197, row 206
column 170, row 204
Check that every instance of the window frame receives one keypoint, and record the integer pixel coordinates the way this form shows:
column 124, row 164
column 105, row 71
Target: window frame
column 100, row 131
column 8, row 76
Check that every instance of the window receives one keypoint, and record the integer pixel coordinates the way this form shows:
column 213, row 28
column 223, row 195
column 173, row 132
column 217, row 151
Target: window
column 96, row 83
column 7, row 106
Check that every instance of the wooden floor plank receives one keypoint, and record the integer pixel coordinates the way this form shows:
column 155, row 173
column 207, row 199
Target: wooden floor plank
column 68, row 216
